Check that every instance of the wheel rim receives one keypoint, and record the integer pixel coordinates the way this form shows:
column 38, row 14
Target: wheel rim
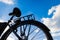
column 34, row 33
column 39, row 25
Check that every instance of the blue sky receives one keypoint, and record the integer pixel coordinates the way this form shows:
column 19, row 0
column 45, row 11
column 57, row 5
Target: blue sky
column 38, row 7
column 44, row 10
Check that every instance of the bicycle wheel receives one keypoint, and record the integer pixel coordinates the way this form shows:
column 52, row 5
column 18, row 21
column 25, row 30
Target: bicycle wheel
column 28, row 30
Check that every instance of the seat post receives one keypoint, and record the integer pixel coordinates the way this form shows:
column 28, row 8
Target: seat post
column 10, row 19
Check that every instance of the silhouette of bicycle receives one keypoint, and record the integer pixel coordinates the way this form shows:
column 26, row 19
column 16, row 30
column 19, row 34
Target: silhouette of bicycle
column 25, row 28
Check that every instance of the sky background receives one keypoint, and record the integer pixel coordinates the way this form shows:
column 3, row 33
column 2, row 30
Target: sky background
column 45, row 11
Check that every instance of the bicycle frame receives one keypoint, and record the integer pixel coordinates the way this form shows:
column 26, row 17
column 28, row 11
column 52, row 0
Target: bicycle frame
column 5, row 24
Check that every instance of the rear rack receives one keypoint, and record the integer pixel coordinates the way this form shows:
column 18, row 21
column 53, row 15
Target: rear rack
column 28, row 17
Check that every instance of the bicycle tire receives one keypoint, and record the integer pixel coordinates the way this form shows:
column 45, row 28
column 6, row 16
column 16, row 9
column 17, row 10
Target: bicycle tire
column 33, row 22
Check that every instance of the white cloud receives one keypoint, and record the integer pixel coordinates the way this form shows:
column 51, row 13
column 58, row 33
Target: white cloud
column 1, row 20
column 7, row 1
column 53, row 23
column 56, row 34
column 51, row 10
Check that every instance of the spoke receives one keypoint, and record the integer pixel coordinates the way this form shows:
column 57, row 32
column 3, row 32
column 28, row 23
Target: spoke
column 35, row 35
column 25, row 28
column 17, row 35
column 29, row 30
column 32, row 31
column 41, row 36
column 20, row 30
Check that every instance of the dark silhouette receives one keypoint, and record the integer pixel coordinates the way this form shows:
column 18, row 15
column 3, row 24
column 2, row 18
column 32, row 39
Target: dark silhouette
column 16, row 12
column 19, row 23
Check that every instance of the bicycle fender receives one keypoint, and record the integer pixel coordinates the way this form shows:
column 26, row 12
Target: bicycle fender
column 36, row 23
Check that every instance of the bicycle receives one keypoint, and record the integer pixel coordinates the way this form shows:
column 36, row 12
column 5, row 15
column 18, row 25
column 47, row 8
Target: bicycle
column 24, row 28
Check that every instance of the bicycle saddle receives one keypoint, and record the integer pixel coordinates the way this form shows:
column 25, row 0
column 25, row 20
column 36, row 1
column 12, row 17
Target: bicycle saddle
column 16, row 12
